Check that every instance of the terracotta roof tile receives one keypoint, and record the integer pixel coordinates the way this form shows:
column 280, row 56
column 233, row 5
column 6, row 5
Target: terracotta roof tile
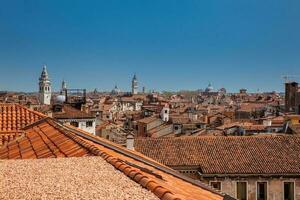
column 49, row 139
column 13, row 117
column 268, row 154
column 6, row 137
column 71, row 113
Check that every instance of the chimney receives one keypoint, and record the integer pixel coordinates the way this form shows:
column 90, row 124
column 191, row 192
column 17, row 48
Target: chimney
column 130, row 142
column 165, row 113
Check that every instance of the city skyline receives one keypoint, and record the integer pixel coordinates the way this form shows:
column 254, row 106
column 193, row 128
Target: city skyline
column 170, row 45
column 56, row 85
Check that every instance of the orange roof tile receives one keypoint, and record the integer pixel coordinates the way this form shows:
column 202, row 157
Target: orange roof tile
column 71, row 113
column 13, row 117
column 227, row 155
column 47, row 138
column 6, row 137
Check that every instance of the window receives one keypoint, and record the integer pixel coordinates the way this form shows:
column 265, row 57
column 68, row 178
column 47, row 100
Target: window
column 89, row 123
column 74, row 124
column 262, row 191
column 241, row 190
column 216, row 185
column 176, row 128
column 288, row 192
column 166, row 111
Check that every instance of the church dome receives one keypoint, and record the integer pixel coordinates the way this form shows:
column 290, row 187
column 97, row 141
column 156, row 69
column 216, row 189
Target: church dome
column 116, row 90
column 60, row 99
column 209, row 88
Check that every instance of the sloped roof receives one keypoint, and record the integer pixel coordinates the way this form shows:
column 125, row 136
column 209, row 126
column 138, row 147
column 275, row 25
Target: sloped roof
column 71, row 113
column 14, row 117
column 148, row 120
column 6, row 137
column 227, row 155
column 49, row 139
column 44, row 140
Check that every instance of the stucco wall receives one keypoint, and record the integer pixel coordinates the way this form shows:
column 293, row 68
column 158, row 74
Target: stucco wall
column 275, row 187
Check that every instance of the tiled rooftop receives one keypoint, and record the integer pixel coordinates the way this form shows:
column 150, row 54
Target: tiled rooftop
column 13, row 117
column 43, row 140
column 49, row 139
column 71, row 113
column 268, row 154
column 6, row 137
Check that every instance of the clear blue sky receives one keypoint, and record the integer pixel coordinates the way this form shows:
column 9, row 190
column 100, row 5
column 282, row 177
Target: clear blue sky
column 170, row 44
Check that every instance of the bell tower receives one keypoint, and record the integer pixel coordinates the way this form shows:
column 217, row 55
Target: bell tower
column 134, row 85
column 44, row 87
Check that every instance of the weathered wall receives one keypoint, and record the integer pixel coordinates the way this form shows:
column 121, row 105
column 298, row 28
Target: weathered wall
column 275, row 187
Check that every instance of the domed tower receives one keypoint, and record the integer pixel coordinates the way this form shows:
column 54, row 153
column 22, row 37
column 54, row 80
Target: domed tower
column 116, row 91
column 44, row 87
column 134, row 85
column 209, row 88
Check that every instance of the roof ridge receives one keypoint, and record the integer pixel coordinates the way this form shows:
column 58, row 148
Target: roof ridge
column 132, row 172
column 147, row 161
column 72, row 136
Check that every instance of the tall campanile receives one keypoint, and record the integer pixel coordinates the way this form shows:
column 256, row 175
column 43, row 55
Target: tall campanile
column 134, row 85
column 44, row 87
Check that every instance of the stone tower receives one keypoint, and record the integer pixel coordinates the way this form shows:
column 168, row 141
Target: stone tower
column 291, row 89
column 63, row 86
column 134, row 85
column 44, row 87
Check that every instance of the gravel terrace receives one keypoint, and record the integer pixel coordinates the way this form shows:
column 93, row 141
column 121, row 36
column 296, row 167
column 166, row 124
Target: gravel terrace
column 67, row 178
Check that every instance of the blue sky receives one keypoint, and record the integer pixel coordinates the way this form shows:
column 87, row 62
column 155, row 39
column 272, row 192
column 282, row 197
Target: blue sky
column 169, row 44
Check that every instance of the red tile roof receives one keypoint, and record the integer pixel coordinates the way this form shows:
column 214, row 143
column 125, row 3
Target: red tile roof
column 6, row 137
column 47, row 138
column 227, row 155
column 71, row 113
column 148, row 120
column 13, row 117
column 43, row 140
